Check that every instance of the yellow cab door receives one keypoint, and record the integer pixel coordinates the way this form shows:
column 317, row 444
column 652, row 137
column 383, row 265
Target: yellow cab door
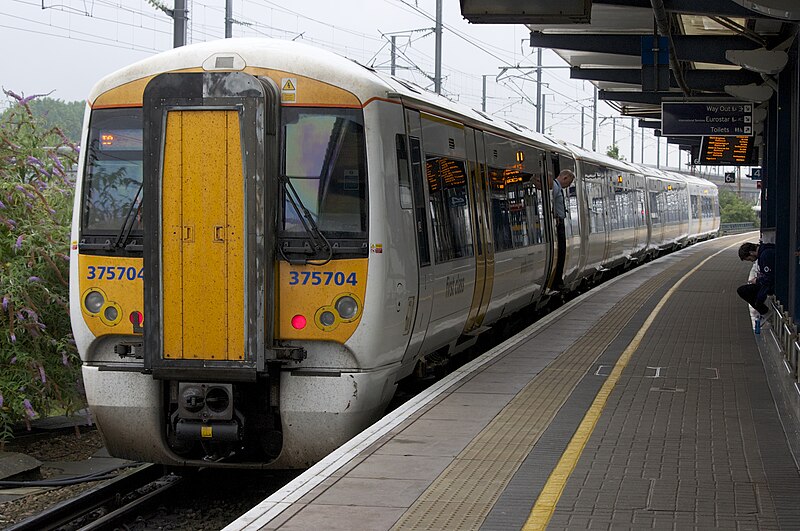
column 202, row 213
column 210, row 181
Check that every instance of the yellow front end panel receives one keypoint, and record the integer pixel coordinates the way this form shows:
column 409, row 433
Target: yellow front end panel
column 120, row 283
column 203, row 278
column 306, row 293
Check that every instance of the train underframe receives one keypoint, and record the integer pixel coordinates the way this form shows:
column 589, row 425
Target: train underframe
column 291, row 423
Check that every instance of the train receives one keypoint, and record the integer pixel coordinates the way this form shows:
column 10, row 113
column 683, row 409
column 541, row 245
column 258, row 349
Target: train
column 268, row 237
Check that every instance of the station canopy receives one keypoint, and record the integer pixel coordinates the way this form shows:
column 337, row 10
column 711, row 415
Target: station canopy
column 640, row 53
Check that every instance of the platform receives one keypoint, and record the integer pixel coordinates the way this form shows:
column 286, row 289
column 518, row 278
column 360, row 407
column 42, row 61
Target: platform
column 642, row 404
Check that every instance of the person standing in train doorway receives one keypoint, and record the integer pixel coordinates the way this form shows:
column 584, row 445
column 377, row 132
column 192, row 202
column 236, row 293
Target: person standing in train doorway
column 756, row 291
column 561, row 183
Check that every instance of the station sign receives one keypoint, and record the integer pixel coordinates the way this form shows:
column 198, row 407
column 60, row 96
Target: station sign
column 707, row 118
column 727, row 151
column 755, row 174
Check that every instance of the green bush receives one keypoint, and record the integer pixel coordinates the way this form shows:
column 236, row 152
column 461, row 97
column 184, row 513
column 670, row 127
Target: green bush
column 733, row 210
column 39, row 364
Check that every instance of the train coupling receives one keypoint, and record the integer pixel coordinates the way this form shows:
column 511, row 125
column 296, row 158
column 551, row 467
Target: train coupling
column 206, row 413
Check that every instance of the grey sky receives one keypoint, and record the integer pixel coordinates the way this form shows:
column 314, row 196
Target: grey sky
column 68, row 46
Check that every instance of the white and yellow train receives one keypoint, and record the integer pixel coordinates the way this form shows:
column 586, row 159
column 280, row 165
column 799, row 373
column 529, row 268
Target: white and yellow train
column 268, row 237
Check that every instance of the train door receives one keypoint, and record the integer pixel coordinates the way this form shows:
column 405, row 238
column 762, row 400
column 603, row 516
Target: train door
column 209, row 165
column 484, row 251
column 420, row 202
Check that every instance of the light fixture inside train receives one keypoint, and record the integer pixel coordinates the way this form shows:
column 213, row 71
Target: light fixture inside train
column 347, row 307
column 94, row 301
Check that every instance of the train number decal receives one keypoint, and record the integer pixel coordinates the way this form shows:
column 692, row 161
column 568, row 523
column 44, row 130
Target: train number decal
column 114, row 273
column 318, row 278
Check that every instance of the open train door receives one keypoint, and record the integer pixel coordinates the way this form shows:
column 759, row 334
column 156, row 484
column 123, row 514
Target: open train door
column 210, row 176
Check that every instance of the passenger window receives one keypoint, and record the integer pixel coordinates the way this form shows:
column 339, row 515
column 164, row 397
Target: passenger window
column 501, row 221
column 419, row 203
column 402, row 173
column 449, row 208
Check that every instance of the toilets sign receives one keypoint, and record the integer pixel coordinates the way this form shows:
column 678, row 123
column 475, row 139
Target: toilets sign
column 707, row 119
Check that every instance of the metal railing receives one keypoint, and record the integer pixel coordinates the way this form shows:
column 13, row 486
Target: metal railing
column 735, row 228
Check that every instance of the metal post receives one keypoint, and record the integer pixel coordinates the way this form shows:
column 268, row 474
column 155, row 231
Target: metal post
column 583, row 116
column 180, row 18
column 642, row 130
column 539, row 128
column 437, row 78
column 631, row 139
column 483, row 97
column 544, row 99
column 614, row 131
column 666, row 146
column 394, row 55
column 228, row 19
column 739, row 181
column 658, row 152
column 594, row 132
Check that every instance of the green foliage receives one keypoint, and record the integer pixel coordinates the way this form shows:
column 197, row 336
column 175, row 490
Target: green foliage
column 734, row 210
column 39, row 365
column 53, row 113
column 613, row 152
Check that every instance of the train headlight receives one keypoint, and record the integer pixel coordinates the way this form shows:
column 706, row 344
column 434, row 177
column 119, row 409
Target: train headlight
column 111, row 313
column 94, row 301
column 347, row 307
column 327, row 318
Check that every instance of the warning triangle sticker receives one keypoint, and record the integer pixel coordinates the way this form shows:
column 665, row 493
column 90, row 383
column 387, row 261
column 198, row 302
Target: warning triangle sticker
column 288, row 85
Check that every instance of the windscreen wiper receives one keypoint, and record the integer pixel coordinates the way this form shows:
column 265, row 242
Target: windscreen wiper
column 123, row 233
column 318, row 241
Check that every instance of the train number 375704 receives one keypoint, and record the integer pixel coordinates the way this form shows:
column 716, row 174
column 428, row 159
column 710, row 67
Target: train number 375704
column 317, row 278
column 114, row 273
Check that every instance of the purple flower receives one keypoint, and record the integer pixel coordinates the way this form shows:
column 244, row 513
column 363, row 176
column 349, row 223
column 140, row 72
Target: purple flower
column 64, row 359
column 14, row 359
column 5, row 303
column 13, row 340
column 42, row 375
column 2, row 205
column 29, row 408
column 56, row 160
column 1, row 399
column 34, row 160
column 34, row 279
column 19, row 241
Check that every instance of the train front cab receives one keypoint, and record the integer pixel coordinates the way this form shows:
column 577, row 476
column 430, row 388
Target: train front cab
column 232, row 353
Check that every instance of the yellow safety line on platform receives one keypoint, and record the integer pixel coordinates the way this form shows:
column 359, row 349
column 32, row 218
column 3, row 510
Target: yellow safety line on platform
column 546, row 503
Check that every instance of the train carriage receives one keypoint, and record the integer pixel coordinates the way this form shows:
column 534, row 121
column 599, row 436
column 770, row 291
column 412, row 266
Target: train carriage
column 268, row 237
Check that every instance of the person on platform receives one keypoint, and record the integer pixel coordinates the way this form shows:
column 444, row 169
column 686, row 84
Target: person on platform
column 755, row 292
column 561, row 183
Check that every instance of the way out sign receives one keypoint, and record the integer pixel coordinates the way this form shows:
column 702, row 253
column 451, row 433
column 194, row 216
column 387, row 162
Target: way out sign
column 707, row 119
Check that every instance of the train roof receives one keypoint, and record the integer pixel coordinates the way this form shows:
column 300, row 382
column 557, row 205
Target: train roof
column 317, row 63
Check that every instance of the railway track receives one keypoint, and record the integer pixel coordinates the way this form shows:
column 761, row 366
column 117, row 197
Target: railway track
column 108, row 504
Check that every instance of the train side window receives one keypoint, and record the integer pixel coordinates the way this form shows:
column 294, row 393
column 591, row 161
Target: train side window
column 419, row 203
column 593, row 177
column 501, row 220
column 449, row 208
column 571, row 223
column 403, row 175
